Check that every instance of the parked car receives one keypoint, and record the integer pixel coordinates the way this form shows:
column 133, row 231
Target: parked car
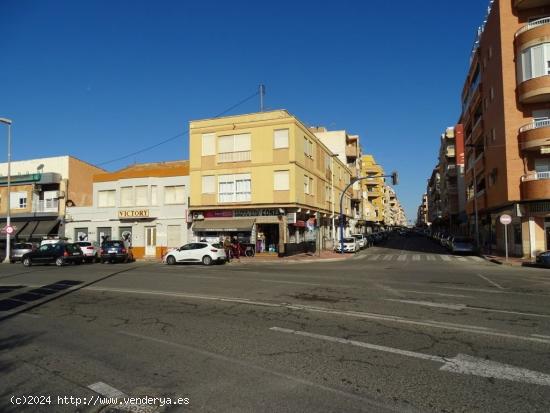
column 204, row 252
column 462, row 245
column 350, row 245
column 115, row 251
column 543, row 259
column 19, row 249
column 60, row 254
column 91, row 250
column 361, row 239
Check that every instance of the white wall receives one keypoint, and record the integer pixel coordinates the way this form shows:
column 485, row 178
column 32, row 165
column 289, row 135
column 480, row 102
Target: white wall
column 59, row 164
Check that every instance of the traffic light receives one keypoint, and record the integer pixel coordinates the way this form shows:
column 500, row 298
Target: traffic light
column 395, row 178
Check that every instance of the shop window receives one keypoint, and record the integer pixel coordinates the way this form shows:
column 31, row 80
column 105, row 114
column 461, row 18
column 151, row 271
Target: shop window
column 103, row 234
column 208, row 144
column 209, row 184
column 281, row 180
column 80, row 234
column 280, row 139
column 127, row 196
column 18, row 200
column 106, row 198
column 174, row 194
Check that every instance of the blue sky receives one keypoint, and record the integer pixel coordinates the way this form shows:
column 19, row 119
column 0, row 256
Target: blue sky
column 102, row 79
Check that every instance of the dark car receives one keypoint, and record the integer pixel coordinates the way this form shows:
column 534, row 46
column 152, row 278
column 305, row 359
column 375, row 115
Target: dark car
column 543, row 259
column 60, row 254
column 20, row 249
column 115, row 251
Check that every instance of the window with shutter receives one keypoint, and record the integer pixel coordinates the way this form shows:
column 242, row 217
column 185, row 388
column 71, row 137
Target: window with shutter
column 126, row 196
column 208, row 144
column 141, row 195
column 208, row 184
column 280, row 139
column 281, row 180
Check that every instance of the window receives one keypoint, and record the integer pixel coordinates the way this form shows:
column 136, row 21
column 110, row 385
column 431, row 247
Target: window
column 142, row 198
column 18, row 200
column 126, row 196
column 306, row 184
column 280, row 139
column 234, row 188
column 174, row 194
column 106, row 198
column 308, row 147
column 542, row 114
column 234, row 148
column 534, row 62
column 209, row 184
column 311, row 185
column 542, row 165
column 208, row 144
column 281, row 181
column 154, row 195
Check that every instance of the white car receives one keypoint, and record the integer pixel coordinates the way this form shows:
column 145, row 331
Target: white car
column 361, row 239
column 196, row 252
column 90, row 250
column 350, row 245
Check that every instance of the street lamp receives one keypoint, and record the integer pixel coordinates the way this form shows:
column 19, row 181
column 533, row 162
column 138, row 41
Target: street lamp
column 8, row 122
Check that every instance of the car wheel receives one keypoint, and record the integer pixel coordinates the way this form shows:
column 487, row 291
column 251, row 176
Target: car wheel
column 27, row 262
column 207, row 260
column 59, row 262
column 170, row 260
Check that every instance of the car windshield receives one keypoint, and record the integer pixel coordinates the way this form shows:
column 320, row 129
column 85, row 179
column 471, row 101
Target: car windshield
column 113, row 244
column 217, row 245
column 84, row 244
column 462, row 239
column 349, row 239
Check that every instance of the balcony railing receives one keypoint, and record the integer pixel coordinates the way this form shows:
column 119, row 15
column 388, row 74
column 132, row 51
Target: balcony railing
column 535, row 176
column 536, row 124
column 241, row 156
column 47, row 205
column 533, row 24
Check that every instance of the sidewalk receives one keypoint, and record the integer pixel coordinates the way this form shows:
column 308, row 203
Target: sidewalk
column 324, row 256
column 512, row 261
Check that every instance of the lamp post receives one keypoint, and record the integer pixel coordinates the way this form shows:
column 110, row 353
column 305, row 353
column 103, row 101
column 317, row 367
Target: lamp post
column 8, row 122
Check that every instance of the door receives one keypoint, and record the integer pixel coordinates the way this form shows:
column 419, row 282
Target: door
column 150, row 241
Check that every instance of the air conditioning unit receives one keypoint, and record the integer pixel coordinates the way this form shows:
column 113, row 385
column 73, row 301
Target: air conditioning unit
column 60, row 194
column 197, row 216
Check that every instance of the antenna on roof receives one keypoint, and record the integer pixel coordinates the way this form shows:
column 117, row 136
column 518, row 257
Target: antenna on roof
column 262, row 94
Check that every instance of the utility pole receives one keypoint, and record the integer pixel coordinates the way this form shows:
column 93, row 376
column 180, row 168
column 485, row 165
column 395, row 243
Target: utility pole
column 262, row 94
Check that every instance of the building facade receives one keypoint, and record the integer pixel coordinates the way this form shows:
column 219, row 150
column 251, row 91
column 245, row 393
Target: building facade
column 41, row 190
column 145, row 205
column 373, row 188
column 506, row 118
column 267, row 179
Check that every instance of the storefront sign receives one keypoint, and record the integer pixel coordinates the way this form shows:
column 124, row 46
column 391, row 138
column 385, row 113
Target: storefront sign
column 265, row 212
column 133, row 213
column 217, row 214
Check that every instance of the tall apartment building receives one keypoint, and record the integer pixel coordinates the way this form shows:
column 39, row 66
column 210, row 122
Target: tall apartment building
column 434, row 198
column 506, row 119
column 422, row 213
column 41, row 190
column 374, row 187
column 267, row 179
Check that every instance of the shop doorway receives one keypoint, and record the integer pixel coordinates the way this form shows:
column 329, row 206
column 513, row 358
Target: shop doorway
column 267, row 238
column 150, row 241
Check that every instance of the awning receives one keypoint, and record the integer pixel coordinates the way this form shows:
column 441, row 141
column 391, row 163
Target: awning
column 221, row 225
column 44, row 228
column 25, row 229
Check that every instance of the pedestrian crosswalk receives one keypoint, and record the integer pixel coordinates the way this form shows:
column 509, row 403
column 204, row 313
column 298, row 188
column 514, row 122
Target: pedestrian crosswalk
column 422, row 257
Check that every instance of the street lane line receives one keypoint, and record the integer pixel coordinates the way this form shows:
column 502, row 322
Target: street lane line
column 416, row 257
column 500, row 287
column 373, row 257
column 372, row 404
column 106, row 390
column 540, row 335
column 430, row 257
column 429, row 304
column 445, row 257
column 462, row 259
column 461, row 363
column 388, row 257
column 402, row 258
column 323, row 310
column 430, row 293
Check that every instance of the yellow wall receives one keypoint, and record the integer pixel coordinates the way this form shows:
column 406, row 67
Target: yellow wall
column 264, row 161
column 369, row 166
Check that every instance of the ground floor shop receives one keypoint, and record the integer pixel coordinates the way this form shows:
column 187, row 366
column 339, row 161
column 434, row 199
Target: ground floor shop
column 35, row 229
column 147, row 238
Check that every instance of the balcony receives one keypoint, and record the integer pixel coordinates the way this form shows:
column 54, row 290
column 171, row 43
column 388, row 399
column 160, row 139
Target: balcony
column 46, row 206
column 357, row 195
column 242, row 156
column 536, row 185
column 535, row 135
column 534, row 90
column 352, row 150
column 530, row 4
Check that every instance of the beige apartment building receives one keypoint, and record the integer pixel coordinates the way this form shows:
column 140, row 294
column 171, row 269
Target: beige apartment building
column 267, row 179
column 506, row 119
column 374, row 189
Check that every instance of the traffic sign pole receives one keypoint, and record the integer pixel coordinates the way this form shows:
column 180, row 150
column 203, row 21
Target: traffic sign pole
column 505, row 220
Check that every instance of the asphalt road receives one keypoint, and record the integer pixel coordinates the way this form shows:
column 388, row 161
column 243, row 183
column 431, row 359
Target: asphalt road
column 400, row 327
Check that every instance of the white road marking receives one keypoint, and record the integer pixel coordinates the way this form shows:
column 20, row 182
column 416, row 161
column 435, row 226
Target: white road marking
column 357, row 314
column 463, row 259
column 445, row 257
column 476, row 258
column 402, row 257
column 416, row 257
column 500, row 287
column 388, row 257
column 430, row 304
column 462, row 363
column 540, row 335
column 373, row 257
column 375, row 405
column 430, row 257
column 430, row 293
column 106, row 390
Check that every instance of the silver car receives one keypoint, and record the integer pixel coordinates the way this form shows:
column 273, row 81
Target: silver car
column 20, row 249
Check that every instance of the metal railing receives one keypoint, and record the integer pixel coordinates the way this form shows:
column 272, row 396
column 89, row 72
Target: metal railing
column 241, row 156
column 47, row 205
column 535, row 125
column 532, row 25
column 535, row 176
